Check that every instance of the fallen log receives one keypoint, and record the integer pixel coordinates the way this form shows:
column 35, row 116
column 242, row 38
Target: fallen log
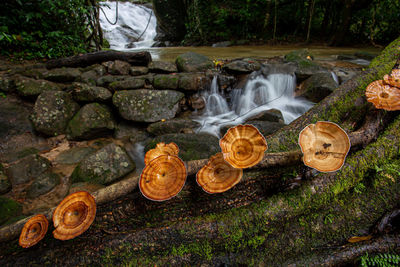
column 134, row 58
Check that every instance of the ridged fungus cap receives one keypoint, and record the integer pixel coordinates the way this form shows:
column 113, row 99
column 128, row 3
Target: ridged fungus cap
column 163, row 178
column 383, row 96
column 243, row 146
column 393, row 79
column 217, row 175
column 74, row 215
column 324, row 145
column 34, row 230
column 161, row 149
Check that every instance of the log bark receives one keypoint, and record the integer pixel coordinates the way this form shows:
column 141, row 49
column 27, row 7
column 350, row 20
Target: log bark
column 134, row 58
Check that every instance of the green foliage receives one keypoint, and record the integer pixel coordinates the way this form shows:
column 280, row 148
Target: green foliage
column 382, row 260
column 46, row 28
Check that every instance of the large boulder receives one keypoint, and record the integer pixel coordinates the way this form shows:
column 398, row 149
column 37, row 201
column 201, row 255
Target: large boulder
column 193, row 62
column 273, row 115
column 242, row 66
column 104, row 166
column 31, row 87
column 63, row 75
column 138, row 70
column 82, row 92
column 27, row 169
column 193, row 82
column 127, row 84
column 92, row 73
column 162, row 67
column 131, row 132
column 173, row 126
column 52, row 112
column 165, row 81
column 107, row 79
column 317, row 87
column 305, row 64
column 43, row 184
column 191, row 146
column 74, row 155
column 92, row 120
column 119, row 67
column 147, row 105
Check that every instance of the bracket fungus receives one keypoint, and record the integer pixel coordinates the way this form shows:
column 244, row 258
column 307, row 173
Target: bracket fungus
column 34, row 230
column 324, row 145
column 163, row 178
column 74, row 215
column 383, row 96
column 393, row 79
column 217, row 175
column 161, row 149
column 243, row 146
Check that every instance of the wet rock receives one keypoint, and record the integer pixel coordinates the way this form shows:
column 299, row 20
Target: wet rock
column 104, row 166
column 9, row 209
column 74, row 155
column 92, row 121
column 172, row 126
column 226, row 81
column 31, row 87
column 317, row 87
column 63, row 75
column 27, row 169
column 242, row 66
column 299, row 55
column 119, row 67
column 191, row 146
column 196, row 102
column 162, row 67
column 222, row 44
column 107, row 79
column 273, row 115
column 193, row 62
column 193, row 82
column 88, row 93
column 85, row 186
column 306, row 70
column 52, row 112
column 43, row 184
column 127, row 84
column 126, row 130
column 165, row 81
column 5, row 184
column 365, row 55
column 89, row 77
column 97, row 68
column 34, row 73
column 147, row 105
column 345, row 74
column 266, row 127
column 138, row 70
column 7, row 83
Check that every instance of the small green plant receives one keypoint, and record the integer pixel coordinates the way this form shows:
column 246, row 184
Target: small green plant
column 382, row 260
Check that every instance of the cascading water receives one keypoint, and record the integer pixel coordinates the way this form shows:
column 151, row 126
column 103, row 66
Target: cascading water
column 276, row 91
column 132, row 22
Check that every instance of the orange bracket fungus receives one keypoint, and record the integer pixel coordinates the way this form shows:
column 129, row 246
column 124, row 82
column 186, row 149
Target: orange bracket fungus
column 217, row 175
column 161, row 149
column 163, row 178
column 243, row 146
column 324, row 145
column 34, row 230
column 393, row 79
column 383, row 96
column 74, row 215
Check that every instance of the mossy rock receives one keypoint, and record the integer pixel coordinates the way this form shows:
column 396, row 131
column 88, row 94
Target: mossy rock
column 193, row 62
column 318, row 86
column 172, row 126
column 43, row 184
column 82, row 92
column 5, row 184
column 27, row 169
column 162, row 67
column 127, row 84
column 8, row 209
column 74, row 155
column 242, row 66
column 32, row 88
column 7, row 83
column 165, row 81
column 63, row 75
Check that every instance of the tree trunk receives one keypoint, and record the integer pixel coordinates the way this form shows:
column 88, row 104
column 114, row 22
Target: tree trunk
column 275, row 216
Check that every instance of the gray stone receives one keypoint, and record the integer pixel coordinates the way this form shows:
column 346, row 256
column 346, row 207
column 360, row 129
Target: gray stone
column 92, row 120
column 138, row 70
column 62, row 75
column 162, row 67
column 107, row 79
column 5, row 184
column 89, row 77
column 89, row 93
column 7, row 83
column 126, row 130
column 191, row 146
column 104, row 166
column 226, row 81
column 127, row 84
column 193, row 82
column 52, row 112
column 43, row 184
column 119, row 67
column 27, row 168
column 85, row 186
column 197, row 102
column 97, row 68
column 273, row 115
column 193, row 62
column 318, row 86
column 172, row 126
column 242, row 66
column 74, row 155
column 166, row 81
column 31, row 87
column 147, row 105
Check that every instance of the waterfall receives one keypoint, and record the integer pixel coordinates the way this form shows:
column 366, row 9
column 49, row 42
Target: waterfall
column 275, row 91
column 132, row 22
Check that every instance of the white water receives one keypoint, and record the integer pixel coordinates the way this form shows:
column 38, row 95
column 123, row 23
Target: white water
column 132, row 21
column 136, row 152
column 276, row 91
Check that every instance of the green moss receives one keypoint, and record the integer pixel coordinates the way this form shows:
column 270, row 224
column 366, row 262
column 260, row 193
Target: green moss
column 8, row 209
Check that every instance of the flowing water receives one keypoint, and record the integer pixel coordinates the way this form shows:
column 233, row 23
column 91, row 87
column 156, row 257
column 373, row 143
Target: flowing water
column 261, row 92
column 131, row 24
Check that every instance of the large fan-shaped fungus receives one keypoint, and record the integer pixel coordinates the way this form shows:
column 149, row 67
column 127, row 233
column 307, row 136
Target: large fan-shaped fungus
column 34, row 230
column 243, row 146
column 161, row 149
column 324, row 145
column 218, row 176
column 393, row 79
column 74, row 215
column 383, row 96
column 163, row 178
